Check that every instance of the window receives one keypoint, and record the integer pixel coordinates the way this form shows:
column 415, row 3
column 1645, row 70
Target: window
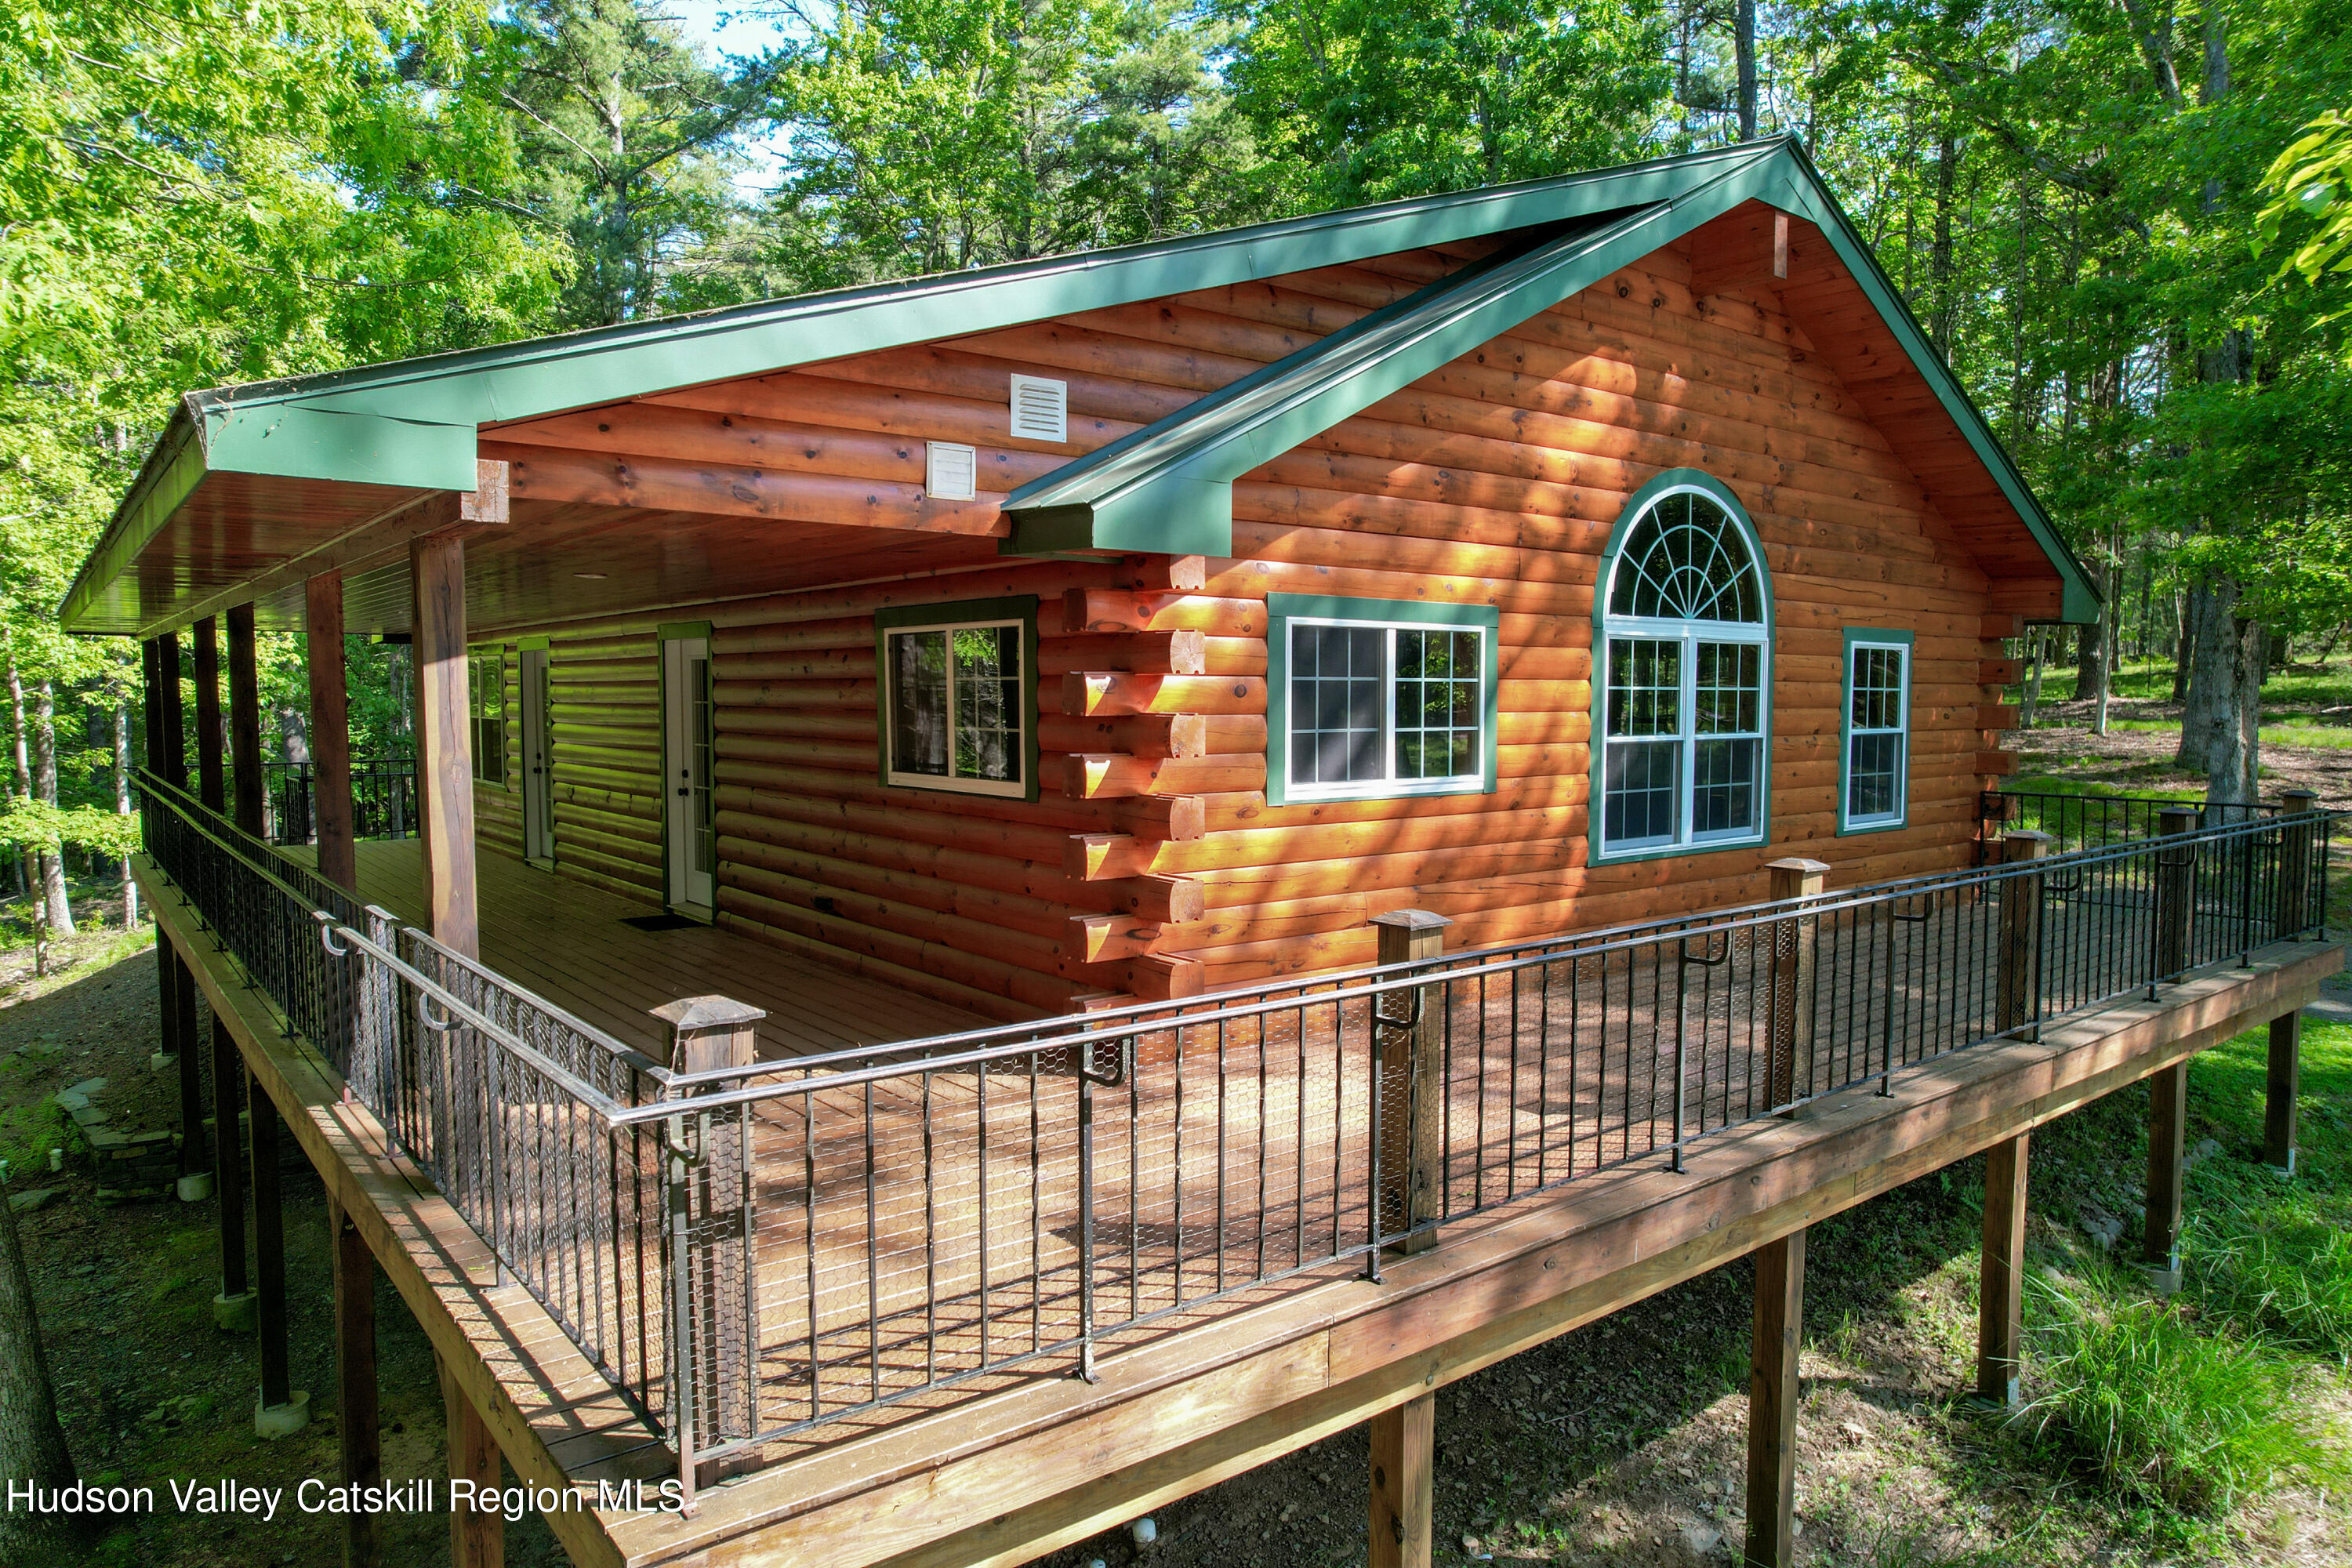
column 960, row 696
column 1683, row 675
column 1371, row 698
column 1876, row 775
column 486, row 705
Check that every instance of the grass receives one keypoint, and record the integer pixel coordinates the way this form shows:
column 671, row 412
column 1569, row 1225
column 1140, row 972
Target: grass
column 2286, row 1276
column 2150, row 680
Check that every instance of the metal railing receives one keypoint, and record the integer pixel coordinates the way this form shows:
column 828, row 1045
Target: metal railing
column 635, row 1234
column 2088, row 821
column 940, row 1212
column 383, row 799
column 750, row 1251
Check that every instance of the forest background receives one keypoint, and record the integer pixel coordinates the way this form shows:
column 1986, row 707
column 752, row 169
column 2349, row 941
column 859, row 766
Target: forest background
column 2127, row 224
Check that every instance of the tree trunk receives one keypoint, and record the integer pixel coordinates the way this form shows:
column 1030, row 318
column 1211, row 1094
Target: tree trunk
column 2184, row 644
column 28, row 875
column 32, row 1445
column 2219, row 731
column 2090, row 673
column 122, row 803
column 58, row 905
column 1744, row 47
column 2037, row 638
column 294, row 733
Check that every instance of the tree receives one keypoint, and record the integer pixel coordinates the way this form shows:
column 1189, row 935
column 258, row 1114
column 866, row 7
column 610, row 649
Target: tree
column 32, row 1445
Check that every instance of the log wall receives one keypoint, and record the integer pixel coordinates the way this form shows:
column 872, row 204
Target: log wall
column 1150, row 865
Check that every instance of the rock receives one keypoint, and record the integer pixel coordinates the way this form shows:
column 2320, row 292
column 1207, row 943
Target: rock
column 37, row 1198
column 71, row 1100
column 2104, row 1229
column 1699, row 1541
column 88, row 1116
column 2206, row 1149
column 89, row 1086
column 1855, row 1430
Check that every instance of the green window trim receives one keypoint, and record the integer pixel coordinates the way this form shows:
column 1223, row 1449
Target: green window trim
column 1282, row 609
column 1664, row 483
column 486, row 715
column 1019, row 609
column 1873, row 637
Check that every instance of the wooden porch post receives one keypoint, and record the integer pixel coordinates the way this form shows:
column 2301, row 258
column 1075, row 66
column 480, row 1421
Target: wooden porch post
column 2001, row 1297
column 2285, row 1082
column 233, row 1307
column 330, row 731
column 2020, row 977
column 170, row 757
column 355, row 1380
column 212, row 784
column 1772, row 1390
column 1404, row 1479
column 282, row 1408
column 1412, row 1071
column 478, row 1536
column 444, row 739
column 2167, row 1135
column 244, row 721
column 2299, row 835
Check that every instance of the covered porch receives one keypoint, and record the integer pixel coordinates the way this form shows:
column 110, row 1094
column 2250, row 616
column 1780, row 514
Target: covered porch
column 609, row 960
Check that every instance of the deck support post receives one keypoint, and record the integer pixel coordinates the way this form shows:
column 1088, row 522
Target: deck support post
column 245, row 722
column 2001, row 1295
column 211, row 743
column 1789, row 1071
column 478, row 1535
column 2279, row 1091
column 444, row 750
column 281, row 1408
column 195, row 1182
column 1773, row 1392
column 233, row 1307
column 1405, row 1480
column 356, row 1402
column 330, row 731
column 2020, row 983
column 1411, row 1026
column 2168, row 1137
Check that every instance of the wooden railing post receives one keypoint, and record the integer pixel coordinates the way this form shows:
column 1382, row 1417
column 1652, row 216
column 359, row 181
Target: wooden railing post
column 2298, row 831
column 1412, row 1043
column 1788, row 1075
column 2176, row 878
column 2021, row 934
column 710, row 1203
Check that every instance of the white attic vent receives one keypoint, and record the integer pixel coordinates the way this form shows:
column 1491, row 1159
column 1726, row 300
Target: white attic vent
column 950, row 470
column 1041, row 408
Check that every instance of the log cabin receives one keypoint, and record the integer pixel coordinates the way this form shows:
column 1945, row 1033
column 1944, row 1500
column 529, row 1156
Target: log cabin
column 1280, row 657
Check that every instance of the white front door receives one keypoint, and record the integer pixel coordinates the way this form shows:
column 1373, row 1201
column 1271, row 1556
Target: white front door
column 686, row 763
column 538, row 758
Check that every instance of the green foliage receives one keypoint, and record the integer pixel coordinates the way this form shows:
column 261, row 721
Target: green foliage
column 2285, row 1275
column 2312, row 180
column 36, row 825
column 2192, row 1421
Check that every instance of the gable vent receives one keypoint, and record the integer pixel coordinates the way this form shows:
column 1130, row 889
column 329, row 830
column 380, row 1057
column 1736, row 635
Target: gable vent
column 948, row 470
column 1041, row 408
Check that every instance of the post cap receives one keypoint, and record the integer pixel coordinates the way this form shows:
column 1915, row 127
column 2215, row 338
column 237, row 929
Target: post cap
column 691, row 1014
column 2025, row 844
column 1411, row 920
column 2306, row 794
column 2178, row 818
column 1799, row 864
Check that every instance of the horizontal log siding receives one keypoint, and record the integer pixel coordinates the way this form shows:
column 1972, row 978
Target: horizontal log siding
column 1495, row 481
column 605, row 686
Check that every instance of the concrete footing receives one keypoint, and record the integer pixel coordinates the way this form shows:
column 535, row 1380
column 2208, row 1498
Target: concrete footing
column 234, row 1314
column 281, row 1420
column 195, row 1187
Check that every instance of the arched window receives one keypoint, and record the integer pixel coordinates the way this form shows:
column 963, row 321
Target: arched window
column 1682, row 684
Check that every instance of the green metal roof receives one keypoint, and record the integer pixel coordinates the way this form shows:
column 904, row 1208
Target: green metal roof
column 414, row 422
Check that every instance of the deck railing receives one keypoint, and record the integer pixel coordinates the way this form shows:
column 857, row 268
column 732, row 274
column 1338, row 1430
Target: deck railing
column 750, row 1251
column 634, row 1234
column 2088, row 821
column 383, row 799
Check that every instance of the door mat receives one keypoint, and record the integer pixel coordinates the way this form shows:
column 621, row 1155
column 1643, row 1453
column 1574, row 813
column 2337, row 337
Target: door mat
column 660, row 922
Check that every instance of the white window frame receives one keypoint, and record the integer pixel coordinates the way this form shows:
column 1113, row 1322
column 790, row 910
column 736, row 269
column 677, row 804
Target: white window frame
column 1391, row 787
column 1689, row 635
column 1016, row 787
column 1857, row 640
column 479, row 712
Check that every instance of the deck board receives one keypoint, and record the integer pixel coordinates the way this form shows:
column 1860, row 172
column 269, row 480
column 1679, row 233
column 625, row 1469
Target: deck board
column 565, row 939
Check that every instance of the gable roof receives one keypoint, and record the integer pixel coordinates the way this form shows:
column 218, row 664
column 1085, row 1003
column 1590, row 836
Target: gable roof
column 359, row 442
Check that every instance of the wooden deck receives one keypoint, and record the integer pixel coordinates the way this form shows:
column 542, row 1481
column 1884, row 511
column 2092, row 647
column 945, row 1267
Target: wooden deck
column 569, row 943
